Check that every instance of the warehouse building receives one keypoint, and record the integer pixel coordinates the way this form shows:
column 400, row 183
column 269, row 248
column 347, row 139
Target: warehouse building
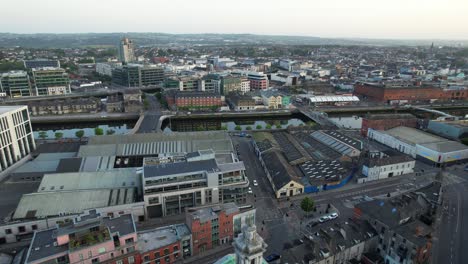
column 421, row 145
column 455, row 130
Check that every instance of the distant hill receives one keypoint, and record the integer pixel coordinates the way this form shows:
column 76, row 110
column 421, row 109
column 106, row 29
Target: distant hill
column 162, row 39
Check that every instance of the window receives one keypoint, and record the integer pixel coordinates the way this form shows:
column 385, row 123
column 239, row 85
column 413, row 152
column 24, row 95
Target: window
column 21, row 229
column 90, row 254
column 131, row 259
column 146, row 258
column 167, row 259
column 129, row 240
column 8, row 231
column 130, row 249
column 34, row 227
column 157, row 254
column 176, row 248
column 166, row 251
column 102, row 250
column 81, row 256
column 95, row 260
column 119, row 262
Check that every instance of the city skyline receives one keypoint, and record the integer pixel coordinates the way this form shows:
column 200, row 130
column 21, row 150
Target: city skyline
column 333, row 19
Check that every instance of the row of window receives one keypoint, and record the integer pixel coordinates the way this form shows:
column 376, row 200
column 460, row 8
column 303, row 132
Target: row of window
column 21, row 229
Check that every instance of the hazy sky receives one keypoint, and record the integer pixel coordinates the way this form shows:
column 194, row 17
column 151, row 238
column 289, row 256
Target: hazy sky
column 445, row 19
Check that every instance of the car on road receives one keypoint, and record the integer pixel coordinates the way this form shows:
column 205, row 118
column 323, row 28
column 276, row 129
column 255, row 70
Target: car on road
column 250, row 190
column 255, row 183
column 466, row 168
column 272, row 257
column 323, row 219
column 333, row 216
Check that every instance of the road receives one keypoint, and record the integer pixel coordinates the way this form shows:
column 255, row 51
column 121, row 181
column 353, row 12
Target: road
column 451, row 236
column 150, row 121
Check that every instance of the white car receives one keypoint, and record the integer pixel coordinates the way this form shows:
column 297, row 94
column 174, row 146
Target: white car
column 323, row 219
column 333, row 216
column 255, row 183
column 250, row 190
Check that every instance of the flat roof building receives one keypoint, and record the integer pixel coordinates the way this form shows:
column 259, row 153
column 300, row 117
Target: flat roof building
column 16, row 135
column 50, row 81
column 16, row 84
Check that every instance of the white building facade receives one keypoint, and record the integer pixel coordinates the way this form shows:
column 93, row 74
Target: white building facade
column 16, row 135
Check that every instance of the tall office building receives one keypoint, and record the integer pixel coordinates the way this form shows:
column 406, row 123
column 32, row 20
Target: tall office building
column 51, row 81
column 16, row 135
column 15, row 84
column 137, row 75
column 126, row 51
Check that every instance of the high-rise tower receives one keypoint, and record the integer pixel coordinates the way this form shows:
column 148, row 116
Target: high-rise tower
column 126, row 51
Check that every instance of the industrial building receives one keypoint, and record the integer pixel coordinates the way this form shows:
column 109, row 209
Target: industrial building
column 16, row 135
column 16, row 84
column 382, row 166
column 50, row 81
column 387, row 121
column 455, row 130
column 421, row 145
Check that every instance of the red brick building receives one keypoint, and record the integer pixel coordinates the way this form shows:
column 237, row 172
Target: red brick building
column 387, row 121
column 211, row 226
column 389, row 93
column 194, row 100
column 258, row 84
column 164, row 245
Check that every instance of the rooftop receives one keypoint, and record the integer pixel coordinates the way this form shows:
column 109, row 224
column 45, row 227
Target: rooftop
column 161, row 237
column 387, row 160
column 180, row 168
column 413, row 135
column 275, row 167
column 323, row 171
column 44, row 204
column 389, row 116
column 6, row 109
column 207, row 213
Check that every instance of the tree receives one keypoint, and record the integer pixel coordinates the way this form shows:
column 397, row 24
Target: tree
column 307, row 205
column 42, row 134
column 58, row 135
column 258, row 127
column 248, row 128
column 110, row 132
column 238, row 128
column 268, row 126
column 79, row 134
column 98, row 131
column 224, row 128
column 278, row 126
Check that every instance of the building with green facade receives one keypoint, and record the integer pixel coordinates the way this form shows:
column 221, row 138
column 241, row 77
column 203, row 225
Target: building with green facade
column 137, row 75
column 50, row 81
column 230, row 84
column 16, row 84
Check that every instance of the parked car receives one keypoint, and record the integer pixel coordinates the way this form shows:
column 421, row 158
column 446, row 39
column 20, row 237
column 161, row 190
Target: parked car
column 255, row 183
column 272, row 257
column 250, row 190
column 333, row 216
column 323, row 219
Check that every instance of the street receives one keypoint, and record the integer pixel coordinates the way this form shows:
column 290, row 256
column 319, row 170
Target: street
column 279, row 222
column 451, row 236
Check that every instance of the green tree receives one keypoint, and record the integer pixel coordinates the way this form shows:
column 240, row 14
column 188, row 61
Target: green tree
column 42, row 134
column 224, row 128
column 248, row 128
column 278, row 126
column 258, row 127
column 464, row 141
column 239, row 128
column 307, row 205
column 110, row 132
column 79, row 134
column 268, row 126
column 98, row 131
column 58, row 135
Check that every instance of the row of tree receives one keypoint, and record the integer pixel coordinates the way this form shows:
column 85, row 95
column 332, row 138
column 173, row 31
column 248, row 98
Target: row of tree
column 79, row 134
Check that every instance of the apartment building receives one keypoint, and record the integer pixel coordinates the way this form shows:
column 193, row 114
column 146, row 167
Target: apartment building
column 137, row 75
column 199, row 178
column 16, row 135
column 89, row 238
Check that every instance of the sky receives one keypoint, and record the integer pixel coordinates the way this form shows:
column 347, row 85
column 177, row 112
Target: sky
column 396, row 19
